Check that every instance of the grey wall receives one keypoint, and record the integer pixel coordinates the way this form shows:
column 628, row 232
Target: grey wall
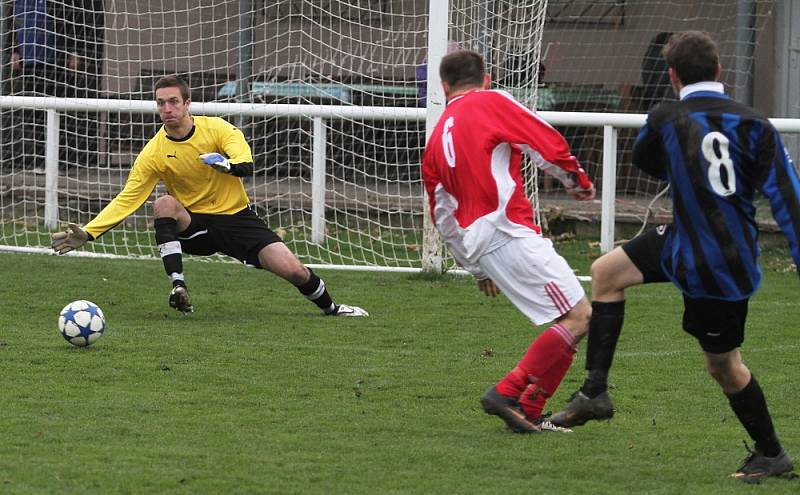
column 293, row 39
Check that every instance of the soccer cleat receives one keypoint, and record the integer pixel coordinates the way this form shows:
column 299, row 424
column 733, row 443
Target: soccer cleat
column 757, row 466
column 345, row 310
column 508, row 410
column 544, row 424
column 581, row 409
column 179, row 299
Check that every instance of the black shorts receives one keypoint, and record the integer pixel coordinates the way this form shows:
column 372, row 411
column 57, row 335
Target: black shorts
column 645, row 253
column 718, row 325
column 240, row 235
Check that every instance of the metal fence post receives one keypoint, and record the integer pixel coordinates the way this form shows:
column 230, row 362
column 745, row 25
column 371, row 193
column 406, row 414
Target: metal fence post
column 51, row 170
column 318, row 182
column 609, row 188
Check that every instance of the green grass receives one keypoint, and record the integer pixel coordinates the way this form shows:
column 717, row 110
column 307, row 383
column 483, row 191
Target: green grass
column 257, row 392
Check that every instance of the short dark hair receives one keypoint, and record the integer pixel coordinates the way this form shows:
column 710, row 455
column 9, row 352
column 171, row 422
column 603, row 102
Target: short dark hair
column 693, row 55
column 462, row 68
column 173, row 82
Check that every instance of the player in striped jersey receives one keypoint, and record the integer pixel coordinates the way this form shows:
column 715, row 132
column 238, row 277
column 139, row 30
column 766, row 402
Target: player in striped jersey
column 716, row 154
column 201, row 161
column 471, row 170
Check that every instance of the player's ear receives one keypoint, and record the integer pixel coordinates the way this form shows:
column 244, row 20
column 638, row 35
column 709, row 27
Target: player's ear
column 487, row 81
column 718, row 72
column 675, row 80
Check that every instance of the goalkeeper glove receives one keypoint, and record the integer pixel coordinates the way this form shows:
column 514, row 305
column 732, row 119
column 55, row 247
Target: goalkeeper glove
column 217, row 162
column 73, row 238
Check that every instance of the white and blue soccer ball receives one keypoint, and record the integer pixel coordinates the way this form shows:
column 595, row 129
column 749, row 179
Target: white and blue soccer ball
column 81, row 323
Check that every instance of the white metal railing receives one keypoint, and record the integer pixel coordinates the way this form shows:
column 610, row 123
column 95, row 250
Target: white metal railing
column 610, row 122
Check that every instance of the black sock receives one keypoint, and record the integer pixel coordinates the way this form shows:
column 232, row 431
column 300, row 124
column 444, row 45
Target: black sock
column 604, row 329
column 170, row 249
column 750, row 407
column 314, row 290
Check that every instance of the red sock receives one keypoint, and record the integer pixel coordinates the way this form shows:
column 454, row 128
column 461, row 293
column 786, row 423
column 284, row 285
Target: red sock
column 548, row 349
column 535, row 396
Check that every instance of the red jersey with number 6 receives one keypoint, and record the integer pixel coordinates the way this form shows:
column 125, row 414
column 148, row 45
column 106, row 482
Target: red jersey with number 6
column 471, row 168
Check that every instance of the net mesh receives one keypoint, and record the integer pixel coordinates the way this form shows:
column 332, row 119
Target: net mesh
column 605, row 56
column 597, row 55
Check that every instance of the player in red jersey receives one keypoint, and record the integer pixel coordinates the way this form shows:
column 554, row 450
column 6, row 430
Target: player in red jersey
column 472, row 174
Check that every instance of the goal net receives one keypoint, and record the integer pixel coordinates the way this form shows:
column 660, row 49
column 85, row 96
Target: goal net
column 330, row 94
column 605, row 56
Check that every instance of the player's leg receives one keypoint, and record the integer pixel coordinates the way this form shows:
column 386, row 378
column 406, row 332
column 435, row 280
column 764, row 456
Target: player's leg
column 636, row 262
column 278, row 259
column 246, row 237
column 746, row 399
column 539, row 283
column 170, row 219
column 719, row 328
column 535, row 396
column 612, row 273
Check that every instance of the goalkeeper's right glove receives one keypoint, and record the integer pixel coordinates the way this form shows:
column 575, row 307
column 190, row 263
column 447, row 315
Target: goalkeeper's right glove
column 72, row 238
column 217, row 162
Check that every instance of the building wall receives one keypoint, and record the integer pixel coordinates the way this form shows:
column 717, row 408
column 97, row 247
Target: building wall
column 613, row 56
column 384, row 40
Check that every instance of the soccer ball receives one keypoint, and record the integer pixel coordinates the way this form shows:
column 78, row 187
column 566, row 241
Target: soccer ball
column 81, row 323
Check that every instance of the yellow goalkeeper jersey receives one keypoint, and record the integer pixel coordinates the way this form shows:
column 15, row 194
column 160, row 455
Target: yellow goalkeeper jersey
column 197, row 186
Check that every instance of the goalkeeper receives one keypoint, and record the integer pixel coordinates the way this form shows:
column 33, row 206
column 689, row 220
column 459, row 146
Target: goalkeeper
column 201, row 160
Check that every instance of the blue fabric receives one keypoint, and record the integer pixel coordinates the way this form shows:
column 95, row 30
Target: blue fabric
column 422, row 85
column 711, row 249
column 33, row 33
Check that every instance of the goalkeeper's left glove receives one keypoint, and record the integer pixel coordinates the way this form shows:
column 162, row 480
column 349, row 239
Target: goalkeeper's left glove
column 73, row 238
column 216, row 161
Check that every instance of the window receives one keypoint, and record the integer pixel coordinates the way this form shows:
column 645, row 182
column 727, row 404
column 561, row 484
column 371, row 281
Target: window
column 588, row 13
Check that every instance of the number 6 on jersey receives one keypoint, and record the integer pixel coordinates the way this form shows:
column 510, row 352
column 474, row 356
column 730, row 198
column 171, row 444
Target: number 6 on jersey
column 447, row 143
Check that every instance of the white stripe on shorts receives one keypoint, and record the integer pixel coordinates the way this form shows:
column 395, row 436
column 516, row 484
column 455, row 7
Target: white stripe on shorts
column 198, row 233
column 557, row 297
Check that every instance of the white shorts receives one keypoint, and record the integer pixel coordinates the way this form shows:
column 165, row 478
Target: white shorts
column 534, row 277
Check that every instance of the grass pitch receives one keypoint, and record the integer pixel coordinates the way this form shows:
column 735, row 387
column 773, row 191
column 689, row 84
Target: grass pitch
column 257, row 392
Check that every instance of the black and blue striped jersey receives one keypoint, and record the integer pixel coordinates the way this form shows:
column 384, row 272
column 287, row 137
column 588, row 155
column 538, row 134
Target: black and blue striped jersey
column 716, row 154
